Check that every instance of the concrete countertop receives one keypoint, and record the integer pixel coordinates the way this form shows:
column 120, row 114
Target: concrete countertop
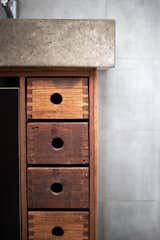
column 65, row 43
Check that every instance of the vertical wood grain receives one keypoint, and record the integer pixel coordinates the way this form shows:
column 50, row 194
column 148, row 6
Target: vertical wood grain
column 93, row 153
column 22, row 154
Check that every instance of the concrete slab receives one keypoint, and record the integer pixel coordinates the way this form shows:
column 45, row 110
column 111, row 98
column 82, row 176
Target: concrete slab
column 66, row 43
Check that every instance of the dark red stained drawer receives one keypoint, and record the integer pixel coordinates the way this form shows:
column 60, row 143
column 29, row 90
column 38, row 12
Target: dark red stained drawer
column 57, row 143
column 58, row 188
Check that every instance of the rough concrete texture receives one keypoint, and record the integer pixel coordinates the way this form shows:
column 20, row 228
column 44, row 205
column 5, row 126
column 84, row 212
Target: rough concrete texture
column 75, row 43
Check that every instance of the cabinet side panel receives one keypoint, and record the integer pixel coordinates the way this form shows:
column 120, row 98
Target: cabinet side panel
column 22, row 147
column 93, row 152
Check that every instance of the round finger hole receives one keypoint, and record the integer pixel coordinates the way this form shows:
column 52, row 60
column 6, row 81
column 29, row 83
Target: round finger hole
column 56, row 188
column 57, row 143
column 56, row 98
column 57, row 231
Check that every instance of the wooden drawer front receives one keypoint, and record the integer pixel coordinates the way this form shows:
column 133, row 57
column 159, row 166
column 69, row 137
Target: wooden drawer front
column 57, row 98
column 58, row 225
column 57, row 143
column 58, row 187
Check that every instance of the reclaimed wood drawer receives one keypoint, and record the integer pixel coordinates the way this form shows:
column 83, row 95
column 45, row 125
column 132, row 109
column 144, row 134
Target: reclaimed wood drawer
column 57, row 143
column 57, row 98
column 58, row 188
column 58, row 225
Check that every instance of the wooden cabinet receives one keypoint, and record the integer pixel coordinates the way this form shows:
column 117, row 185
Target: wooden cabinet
column 58, row 152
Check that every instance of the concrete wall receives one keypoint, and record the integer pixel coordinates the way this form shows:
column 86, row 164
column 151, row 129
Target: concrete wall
column 129, row 114
column 2, row 13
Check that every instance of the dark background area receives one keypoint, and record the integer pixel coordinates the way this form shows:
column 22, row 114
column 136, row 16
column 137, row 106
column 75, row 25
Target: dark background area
column 9, row 162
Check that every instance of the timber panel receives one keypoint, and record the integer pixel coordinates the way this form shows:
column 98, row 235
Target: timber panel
column 74, row 189
column 74, row 93
column 57, row 143
column 73, row 224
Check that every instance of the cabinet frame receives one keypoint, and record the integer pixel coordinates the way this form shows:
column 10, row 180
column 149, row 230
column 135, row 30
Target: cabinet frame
column 23, row 73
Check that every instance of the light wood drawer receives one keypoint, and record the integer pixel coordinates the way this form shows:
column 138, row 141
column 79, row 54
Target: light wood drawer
column 57, row 143
column 58, row 188
column 57, row 98
column 58, row 225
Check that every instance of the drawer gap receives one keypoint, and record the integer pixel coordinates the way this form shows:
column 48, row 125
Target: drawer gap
column 58, row 165
column 59, row 209
column 58, row 120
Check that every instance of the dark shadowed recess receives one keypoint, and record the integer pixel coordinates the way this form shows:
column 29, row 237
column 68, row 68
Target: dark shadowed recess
column 9, row 159
column 9, row 82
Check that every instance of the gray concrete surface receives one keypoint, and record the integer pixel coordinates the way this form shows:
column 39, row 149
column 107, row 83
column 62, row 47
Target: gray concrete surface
column 2, row 13
column 75, row 43
column 129, row 114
